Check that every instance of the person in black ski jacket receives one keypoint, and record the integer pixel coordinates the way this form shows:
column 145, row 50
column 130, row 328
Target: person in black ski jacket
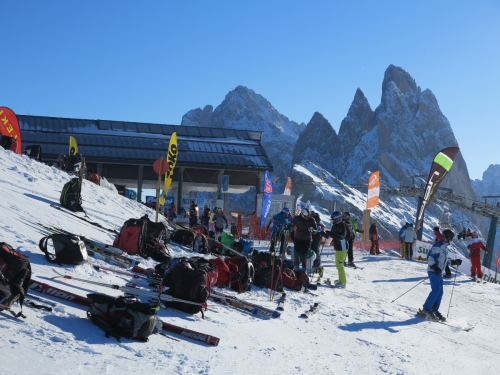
column 316, row 238
column 346, row 218
column 303, row 226
column 205, row 217
column 193, row 214
column 339, row 232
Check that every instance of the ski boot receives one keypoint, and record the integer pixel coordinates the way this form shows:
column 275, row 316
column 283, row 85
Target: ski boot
column 439, row 316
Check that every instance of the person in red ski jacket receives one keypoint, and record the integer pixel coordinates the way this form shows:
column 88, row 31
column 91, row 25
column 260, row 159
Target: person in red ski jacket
column 475, row 247
column 438, row 234
column 374, row 237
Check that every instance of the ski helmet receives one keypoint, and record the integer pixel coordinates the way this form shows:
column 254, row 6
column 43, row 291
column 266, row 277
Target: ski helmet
column 304, row 212
column 336, row 217
column 474, row 234
column 448, row 234
column 435, row 229
column 286, row 210
column 347, row 214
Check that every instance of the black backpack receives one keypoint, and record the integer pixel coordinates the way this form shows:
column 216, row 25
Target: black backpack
column 15, row 275
column 188, row 282
column 183, row 237
column 34, row 152
column 69, row 249
column 157, row 231
column 200, row 244
column 71, row 195
column 156, row 250
column 246, row 274
column 123, row 316
column 8, row 143
column 263, row 269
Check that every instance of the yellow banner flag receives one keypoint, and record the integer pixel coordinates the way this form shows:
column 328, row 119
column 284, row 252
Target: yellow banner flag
column 171, row 160
column 73, row 147
column 373, row 189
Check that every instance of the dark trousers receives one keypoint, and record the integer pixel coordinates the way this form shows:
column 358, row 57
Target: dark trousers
column 409, row 250
column 374, row 247
column 300, row 249
column 350, row 252
column 275, row 239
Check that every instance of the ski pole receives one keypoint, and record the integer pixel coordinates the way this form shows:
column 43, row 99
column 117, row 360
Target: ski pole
column 452, row 289
column 420, row 282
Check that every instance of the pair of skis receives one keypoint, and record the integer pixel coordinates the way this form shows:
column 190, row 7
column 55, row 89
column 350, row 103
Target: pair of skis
column 252, row 308
column 132, row 290
column 226, row 299
column 64, row 295
column 421, row 314
column 311, row 311
column 94, row 248
column 84, row 219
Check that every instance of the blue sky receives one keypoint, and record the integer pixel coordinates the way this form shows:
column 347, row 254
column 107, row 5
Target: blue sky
column 153, row 61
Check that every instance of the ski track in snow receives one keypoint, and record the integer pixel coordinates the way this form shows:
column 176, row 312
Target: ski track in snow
column 355, row 331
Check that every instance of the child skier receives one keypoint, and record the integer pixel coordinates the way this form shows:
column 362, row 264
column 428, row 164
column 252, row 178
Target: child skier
column 437, row 258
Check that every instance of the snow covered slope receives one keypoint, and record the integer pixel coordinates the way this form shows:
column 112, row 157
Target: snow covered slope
column 355, row 331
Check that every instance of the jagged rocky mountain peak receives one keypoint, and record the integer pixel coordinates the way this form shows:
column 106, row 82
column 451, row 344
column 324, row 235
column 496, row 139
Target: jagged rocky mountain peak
column 198, row 117
column 316, row 143
column 401, row 79
column 492, row 173
column 359, row 119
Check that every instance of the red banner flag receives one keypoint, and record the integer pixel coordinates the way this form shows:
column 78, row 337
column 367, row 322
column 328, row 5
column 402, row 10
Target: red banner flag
column 9, row 126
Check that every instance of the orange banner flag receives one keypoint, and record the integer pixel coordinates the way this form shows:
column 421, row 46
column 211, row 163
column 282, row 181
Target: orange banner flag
column 373, row 189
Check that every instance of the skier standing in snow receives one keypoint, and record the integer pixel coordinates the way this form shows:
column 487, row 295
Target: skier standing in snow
column 280, row 223
column 409, row 235
column 219, row 219
column 352, row 223
column 475, row 247
column 374, row 239
column 205, row 216
column 211, row 223
column 402, row 239
column 316, row 238
column 439, row 235
column 339, row 232
column 437, row 258
column 303, row 226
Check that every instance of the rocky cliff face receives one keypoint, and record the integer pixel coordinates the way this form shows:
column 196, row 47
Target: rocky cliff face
column 244, row 109
column 400, row 138
column 490, row 184
column 317, row 142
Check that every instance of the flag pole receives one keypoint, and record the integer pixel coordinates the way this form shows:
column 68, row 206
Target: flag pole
column 158, row 189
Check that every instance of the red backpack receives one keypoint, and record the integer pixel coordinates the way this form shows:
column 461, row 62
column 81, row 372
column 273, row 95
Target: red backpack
column 132, row 236
column 227, row 272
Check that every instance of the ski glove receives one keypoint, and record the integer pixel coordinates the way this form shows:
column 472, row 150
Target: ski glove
column 437, row 269
column 456, row 262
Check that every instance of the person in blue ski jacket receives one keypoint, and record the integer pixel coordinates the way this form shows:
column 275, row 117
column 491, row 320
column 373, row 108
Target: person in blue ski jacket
column 402, row 239
column 437, row 259
column 281, row 223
